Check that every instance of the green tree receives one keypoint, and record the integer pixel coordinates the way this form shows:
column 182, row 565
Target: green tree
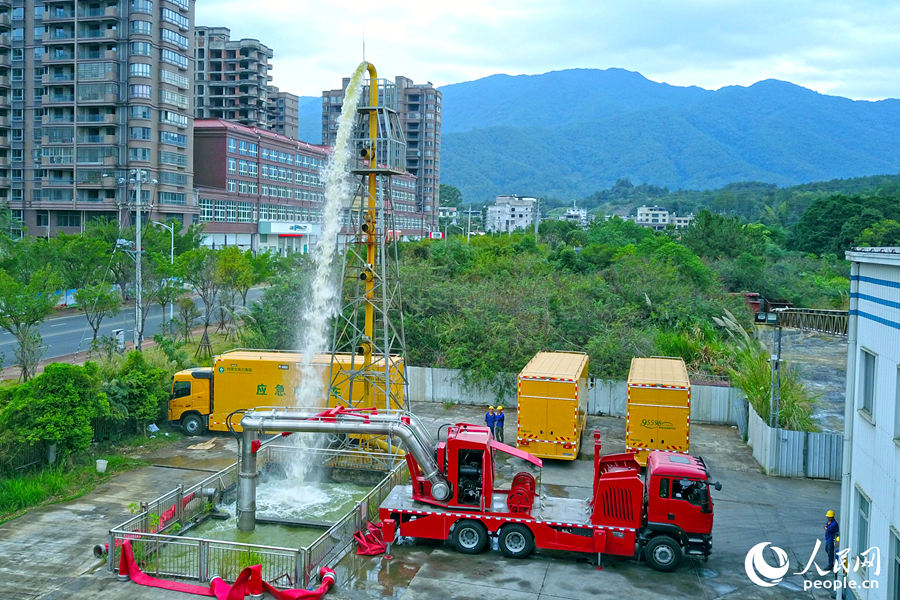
column 23, row 307
column 199, row 268
column 235, row 273
column 56, row 407
column 883, row 233
column 98, row 301
column 450, row 196
column 138, row 391
column 81, row 259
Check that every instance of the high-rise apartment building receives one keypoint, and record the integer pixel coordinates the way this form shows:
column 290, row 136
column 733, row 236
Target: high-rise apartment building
column 419, row 108
column 89, row 90
column 232, row 77
column 283, row 112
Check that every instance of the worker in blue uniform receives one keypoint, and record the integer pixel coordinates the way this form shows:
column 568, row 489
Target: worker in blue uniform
column 490, row 418
column 832, row 531
column 498, row 424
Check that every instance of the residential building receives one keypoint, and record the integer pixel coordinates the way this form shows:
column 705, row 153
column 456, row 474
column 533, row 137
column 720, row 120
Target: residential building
column 510, row 213
column 658, row 218
column 448, row 212
column 419, row 109
column 87, row 92
column 256, row 189
column 869, row 513
column 283, row 110
column 232, row 77
column 578, row 216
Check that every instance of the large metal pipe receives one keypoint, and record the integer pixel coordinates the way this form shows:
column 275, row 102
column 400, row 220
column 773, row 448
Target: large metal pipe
column 255, row 422
column 247, row 477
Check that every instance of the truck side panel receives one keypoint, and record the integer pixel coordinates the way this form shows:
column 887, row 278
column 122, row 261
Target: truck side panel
column 547, row 418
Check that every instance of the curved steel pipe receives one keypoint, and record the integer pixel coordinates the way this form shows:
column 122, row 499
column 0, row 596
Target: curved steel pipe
column 276, row 421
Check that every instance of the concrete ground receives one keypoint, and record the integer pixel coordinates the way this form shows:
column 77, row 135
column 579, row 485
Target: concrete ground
column 47, row 553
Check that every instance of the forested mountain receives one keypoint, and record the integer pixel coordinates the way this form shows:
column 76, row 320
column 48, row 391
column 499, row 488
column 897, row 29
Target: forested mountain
column 568, row 134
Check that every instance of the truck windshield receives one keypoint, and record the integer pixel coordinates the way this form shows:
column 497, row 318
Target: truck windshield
column 180, row 389
column 689, row 490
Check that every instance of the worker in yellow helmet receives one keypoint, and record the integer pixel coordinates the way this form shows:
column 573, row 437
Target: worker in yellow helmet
column 832, row 530
column 490, row 418
column 498, row 424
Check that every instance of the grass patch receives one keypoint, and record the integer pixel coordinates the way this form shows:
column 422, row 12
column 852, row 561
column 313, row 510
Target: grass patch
column 22, row 492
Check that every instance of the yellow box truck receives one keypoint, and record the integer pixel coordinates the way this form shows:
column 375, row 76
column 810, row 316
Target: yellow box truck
column 553, row 396
column 658, row 415
column 202, row 398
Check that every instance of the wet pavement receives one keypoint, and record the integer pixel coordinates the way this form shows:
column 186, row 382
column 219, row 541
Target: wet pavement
column 47, row 553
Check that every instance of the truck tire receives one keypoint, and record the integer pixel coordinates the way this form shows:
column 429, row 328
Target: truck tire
column 516, row 541
column 192, row 425
column 663, row 553
column 469, row 537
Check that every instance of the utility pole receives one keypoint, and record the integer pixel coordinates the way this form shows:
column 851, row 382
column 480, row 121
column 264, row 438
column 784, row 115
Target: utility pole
column 138, row 177
column 171, row 259
column 469, row 226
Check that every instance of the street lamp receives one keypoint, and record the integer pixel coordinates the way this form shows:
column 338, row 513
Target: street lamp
column 138, row 177
column 171, row 229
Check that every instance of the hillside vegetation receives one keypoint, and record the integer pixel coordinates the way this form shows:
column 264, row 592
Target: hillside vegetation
column 489, row 305
column 570, row 133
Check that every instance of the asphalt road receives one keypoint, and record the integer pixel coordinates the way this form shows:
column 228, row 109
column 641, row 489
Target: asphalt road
column 69, row 332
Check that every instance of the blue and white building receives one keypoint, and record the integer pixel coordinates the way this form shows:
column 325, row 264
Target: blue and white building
column 870, row 490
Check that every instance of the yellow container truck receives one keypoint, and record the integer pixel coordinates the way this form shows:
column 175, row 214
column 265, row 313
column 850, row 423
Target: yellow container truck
column 553, row 396
column 658, row 415
column 202, row 398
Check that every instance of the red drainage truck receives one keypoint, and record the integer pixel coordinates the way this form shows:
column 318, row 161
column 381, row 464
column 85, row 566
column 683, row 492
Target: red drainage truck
column 661, row 515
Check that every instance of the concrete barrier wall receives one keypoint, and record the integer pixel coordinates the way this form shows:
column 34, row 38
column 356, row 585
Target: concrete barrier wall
column 720, row 405
column 795, row 453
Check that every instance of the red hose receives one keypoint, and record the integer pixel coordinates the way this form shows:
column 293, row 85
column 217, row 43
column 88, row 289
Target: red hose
column 249, row 581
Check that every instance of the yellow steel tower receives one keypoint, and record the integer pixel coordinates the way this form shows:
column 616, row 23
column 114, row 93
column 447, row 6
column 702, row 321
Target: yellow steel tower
column 369, row 343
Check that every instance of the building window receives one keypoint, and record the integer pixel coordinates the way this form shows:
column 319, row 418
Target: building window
column 142, row 6
column 140, row 91
column 242, row 147
column 231, row 185
column 897, row 416
column 172, row 198
column 867, row 388
column 253, row 150
column 206, row 209
column 175, row 139
column 140, row 112
column 167, row 35
column 232, row 166
column 172, row 57
column 138, row 70
column 242, row 187
column 139, row 133
column 68, row 218
column 142, row 154
column 175, row 18
column 141, row 27
column 863, row 505
column 141, row 49
column 232, row 145
column 220, row 210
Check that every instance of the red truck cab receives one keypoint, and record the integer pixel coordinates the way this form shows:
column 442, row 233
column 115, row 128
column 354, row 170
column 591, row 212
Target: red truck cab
column 679, row 505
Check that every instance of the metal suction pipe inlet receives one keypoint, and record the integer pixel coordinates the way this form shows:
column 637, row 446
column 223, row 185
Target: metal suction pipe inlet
column 268, row 422
column 247, row 476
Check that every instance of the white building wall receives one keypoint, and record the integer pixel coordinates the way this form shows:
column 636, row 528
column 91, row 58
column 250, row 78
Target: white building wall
column 875, row 448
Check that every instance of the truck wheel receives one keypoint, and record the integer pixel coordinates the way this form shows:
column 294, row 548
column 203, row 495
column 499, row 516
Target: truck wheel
column 663, row 553
column 469, row 537
column 516, row 541
column 192, row 425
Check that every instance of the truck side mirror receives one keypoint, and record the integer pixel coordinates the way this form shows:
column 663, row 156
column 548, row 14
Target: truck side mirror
column 718, row 486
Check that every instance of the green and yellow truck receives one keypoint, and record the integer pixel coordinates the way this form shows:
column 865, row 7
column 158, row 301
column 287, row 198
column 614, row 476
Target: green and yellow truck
column 202, row 398
column 553, row 397
column 658, row 415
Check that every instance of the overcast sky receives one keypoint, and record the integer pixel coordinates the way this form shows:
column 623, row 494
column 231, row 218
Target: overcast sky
column 845, row 48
